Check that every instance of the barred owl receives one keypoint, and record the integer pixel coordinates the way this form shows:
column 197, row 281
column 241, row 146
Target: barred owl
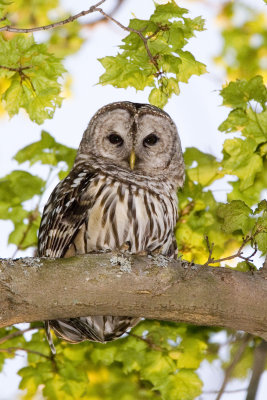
column 120, row 191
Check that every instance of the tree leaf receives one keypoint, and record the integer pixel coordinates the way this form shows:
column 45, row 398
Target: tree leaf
column 184, row 385
column 236, row 216
column 238, row 94
column 19, row 186
column 47, row 151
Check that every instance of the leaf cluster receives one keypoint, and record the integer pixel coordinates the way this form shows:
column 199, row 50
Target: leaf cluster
column 30, row 74
column 164, row 64
column 243, row 158
column 33, row 74
column 158, row 362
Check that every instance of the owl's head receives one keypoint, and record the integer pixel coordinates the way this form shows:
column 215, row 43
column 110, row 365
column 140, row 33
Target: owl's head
column 139, row 138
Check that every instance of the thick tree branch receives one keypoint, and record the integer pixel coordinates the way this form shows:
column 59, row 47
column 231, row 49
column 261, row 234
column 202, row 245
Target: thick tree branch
column 33, row 289
column 264, row 267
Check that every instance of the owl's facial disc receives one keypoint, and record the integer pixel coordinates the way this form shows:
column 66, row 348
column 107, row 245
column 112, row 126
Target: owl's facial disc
column 142, row 141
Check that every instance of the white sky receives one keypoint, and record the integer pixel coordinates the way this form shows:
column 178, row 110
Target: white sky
column 196, row 111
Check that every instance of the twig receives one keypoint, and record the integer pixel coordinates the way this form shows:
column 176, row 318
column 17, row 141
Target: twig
column 210, row 249
column 18, row 333
column 260, row 356
column 238, row 254
column 13, row 349
column 236, row 359
column 103, row 19
column 31, row 218
column 18, row 69
column 21, row 73
column 225, row 391
column 139, row 33
column 92, row 9
column 3, row 18
column 150, row 344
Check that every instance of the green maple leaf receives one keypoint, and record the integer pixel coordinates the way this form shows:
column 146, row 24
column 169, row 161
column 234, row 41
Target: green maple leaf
column 33, row 78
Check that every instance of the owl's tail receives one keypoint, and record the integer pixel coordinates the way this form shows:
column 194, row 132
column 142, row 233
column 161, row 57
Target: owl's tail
column 49, row 337
column 96, row 328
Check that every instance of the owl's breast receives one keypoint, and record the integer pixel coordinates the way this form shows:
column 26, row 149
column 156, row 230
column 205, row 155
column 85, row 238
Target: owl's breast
column 125, row 214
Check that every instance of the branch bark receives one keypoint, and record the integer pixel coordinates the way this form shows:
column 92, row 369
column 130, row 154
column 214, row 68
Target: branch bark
column 34, row 289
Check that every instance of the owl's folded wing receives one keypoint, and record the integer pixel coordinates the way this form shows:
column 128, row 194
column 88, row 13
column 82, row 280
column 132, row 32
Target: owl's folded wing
column 64, row 213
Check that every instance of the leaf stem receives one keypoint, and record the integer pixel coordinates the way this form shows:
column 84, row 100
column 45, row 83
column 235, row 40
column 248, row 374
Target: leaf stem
column 257, row 120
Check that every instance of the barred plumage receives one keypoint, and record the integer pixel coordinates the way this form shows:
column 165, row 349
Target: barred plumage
column 120, row 192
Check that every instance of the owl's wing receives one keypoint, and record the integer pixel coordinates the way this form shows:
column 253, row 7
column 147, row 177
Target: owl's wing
column 64, row 213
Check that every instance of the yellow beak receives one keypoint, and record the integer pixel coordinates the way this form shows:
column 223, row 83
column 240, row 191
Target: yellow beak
column 132, row 160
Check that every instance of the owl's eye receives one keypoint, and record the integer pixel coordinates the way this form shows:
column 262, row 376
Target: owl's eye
column 115, row 139
column 150, row 140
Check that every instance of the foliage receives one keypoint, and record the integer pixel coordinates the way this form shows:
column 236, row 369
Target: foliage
column 244, row 50
column 30, row 74
column 165, row 33
column 33, row 78
column 159, row 360
column 18, row 187
column 244, row 158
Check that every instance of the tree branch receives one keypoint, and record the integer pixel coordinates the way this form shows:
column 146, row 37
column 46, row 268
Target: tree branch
column 34, row 289
column 139, row 33
column 237, row 357
column 92, row 9
column 239, row 254
column 18, row 69
column 153, row 59
column 103, row 19
column 260, row 356
column 19, row 333
column 14, row 349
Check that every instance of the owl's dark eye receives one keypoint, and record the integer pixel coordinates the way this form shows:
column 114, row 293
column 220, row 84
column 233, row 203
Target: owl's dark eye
column 150, row 140
column 115, row 139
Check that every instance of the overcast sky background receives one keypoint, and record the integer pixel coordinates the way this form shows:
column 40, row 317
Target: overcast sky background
column 197, row 112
